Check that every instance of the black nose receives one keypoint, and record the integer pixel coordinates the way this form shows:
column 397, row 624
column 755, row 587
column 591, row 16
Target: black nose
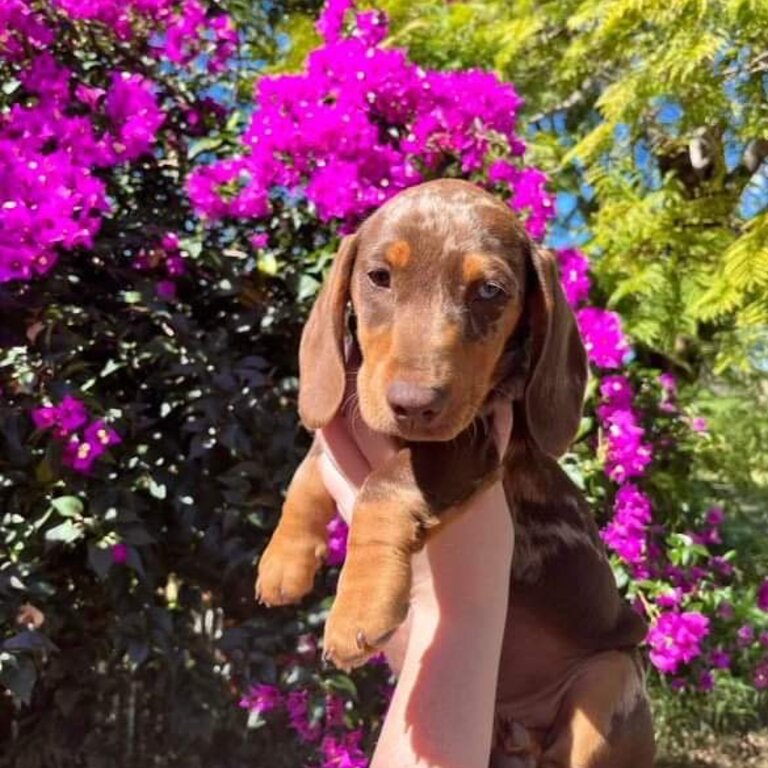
column 414, row 402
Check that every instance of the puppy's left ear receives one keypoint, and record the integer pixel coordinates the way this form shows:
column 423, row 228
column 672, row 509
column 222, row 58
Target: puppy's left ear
column 322, row 372
column 554, row 393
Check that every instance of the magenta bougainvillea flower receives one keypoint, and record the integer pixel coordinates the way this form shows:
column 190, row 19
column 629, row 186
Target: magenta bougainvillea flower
column 574, row 275
column 337, row 541
column 626, row 533
column 604, row 340
column 81, row 452
column 54, row 146
column 120, row 553
column 344, row 751
column 675, row 638
column 360, row 124
column 762, row 596
column 760, row 675
column 66, row 417
column 262, row 698
column 297, row 704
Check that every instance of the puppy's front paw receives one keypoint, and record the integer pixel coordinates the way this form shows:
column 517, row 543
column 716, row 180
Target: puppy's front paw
column 371, row 603
column 288, row 566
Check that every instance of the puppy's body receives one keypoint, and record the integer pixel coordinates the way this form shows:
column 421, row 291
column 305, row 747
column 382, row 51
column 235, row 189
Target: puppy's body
column 569, row 672
column 455, row 307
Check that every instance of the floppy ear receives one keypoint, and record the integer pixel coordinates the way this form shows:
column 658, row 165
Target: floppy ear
column 554, row 393
column 322, row 375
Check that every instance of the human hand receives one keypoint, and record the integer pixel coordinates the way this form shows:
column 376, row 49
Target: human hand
column 447, row 651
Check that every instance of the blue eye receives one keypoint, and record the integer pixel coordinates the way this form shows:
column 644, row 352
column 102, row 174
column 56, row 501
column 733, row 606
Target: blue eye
column 489, row 291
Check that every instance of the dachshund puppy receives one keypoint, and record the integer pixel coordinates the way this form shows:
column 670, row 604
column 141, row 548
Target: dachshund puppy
column 453, row 308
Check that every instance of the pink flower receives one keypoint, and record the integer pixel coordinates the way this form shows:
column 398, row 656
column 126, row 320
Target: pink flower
column 745, row 636
column 329, row 25
column 668, row 382
column 297, row 704
column 334, row 711
column 762, row 596
column 626, row 533
column 574, row 275
column 699, row 424
column 343, row 752
column 261, row 698
column 99, row 433
column 337, row 541
column 670, row 599
column 259, row 240
column 81, row 453
column 165, row 290
column 356, row 126
column 715, row 516
column 131, row 106
column 616, row 391
column 706, row 681
column 760, row 675
column 69, row 415
column 725, row 610
column 603, row 337
column 119, row 553
column 627, row 453
column 675, row 639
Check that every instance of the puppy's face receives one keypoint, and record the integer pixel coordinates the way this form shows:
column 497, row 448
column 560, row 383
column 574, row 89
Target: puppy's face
column 438, row 288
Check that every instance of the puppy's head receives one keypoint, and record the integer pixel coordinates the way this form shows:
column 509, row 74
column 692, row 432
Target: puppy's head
column 452, row 303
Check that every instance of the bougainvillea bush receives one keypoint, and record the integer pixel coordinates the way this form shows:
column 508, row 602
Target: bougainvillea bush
column 163, row 228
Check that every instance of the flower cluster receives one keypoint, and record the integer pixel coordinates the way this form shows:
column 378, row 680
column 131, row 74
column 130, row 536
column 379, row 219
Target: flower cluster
column 338, row 747
column 65, row 419
column 183, row 32
column 626, row 534
column 192, row 34
column 361, row 124
column 675, row 639
column 261, row 698
column 49, row 152
column 604, row 340
column 337, row 541
column 56, row 140
column 574, row 275
column 627, row 455
column 165, row 257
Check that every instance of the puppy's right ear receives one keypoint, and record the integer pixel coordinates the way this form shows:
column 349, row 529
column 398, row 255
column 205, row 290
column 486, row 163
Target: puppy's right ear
column 322, row 374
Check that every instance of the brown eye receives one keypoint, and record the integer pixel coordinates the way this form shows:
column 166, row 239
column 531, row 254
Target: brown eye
column 379, row 277
column 489, row 291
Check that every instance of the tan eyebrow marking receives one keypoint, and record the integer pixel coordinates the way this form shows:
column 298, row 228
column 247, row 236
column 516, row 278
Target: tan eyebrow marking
column 398, row 254
column 473, row 267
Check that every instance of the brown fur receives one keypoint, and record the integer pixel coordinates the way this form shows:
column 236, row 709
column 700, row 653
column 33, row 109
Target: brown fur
column 570, row 692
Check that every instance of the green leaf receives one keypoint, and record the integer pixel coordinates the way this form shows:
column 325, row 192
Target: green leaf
column 66, row 532
column 18, row 675
column 100, row 560
column 68, row 506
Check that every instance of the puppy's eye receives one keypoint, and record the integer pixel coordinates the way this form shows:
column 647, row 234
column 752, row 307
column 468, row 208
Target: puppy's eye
column 489, row 291
column 379, row 277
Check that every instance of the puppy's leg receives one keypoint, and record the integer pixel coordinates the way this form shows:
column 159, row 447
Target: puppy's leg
column 299, row 544
column 397, row 506
column 605, row 719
